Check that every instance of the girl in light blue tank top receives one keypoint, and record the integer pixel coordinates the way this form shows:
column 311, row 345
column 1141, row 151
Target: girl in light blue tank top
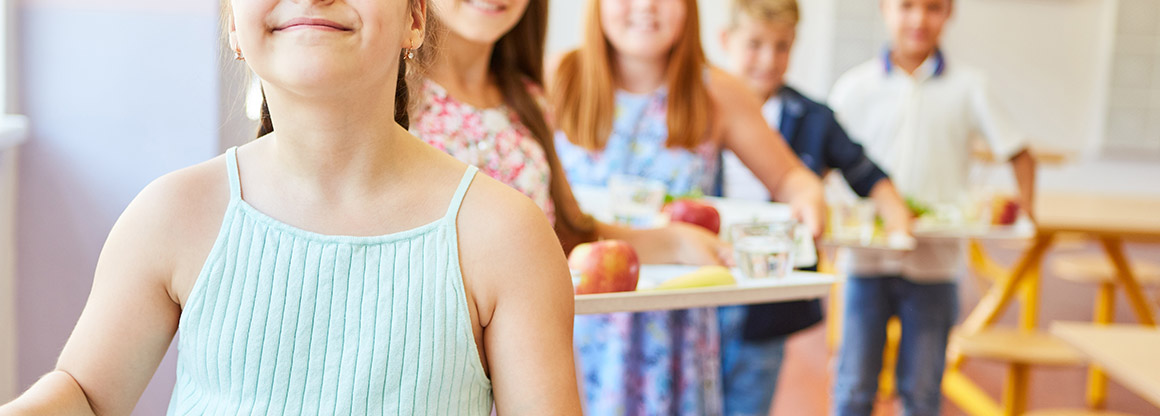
column 286, row 321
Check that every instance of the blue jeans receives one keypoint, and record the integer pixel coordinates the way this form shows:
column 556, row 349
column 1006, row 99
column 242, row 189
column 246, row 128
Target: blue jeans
column 749, row 369
column 927, row 312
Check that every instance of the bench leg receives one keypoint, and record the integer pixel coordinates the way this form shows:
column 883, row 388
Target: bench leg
column 1015, row 390
column 1105, row 313
column 1115, row 250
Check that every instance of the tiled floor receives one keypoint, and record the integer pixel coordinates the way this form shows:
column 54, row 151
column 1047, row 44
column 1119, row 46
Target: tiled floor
column 805, row 380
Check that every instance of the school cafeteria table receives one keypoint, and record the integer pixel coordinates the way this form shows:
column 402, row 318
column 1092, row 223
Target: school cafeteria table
column 1127, row 352
column 1109, row 219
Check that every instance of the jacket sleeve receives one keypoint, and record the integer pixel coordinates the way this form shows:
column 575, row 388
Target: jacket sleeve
column 850, row 158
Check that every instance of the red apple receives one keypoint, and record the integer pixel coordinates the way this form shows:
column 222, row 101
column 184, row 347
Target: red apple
column 694, row 212
column 605, row 266
column 1004, row 211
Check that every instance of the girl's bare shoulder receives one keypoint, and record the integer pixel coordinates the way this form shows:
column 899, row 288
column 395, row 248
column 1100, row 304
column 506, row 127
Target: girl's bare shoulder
column 169, row 228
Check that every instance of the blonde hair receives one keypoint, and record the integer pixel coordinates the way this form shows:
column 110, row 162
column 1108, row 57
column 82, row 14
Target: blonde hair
column 765, row 11
column 583, row 94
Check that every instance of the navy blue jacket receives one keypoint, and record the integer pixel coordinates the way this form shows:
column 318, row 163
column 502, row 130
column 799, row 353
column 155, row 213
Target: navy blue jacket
column 814, row 134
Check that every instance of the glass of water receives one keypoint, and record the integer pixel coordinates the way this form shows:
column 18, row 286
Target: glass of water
column 854, row 221
column 764, row 250
column 636, row 201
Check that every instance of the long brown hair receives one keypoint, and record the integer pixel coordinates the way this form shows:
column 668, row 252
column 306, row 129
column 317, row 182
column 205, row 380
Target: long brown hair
column 516, row 60
column 584, row 86
column 409, row 70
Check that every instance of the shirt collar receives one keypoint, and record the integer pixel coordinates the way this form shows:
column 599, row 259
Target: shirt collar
column 933, row 67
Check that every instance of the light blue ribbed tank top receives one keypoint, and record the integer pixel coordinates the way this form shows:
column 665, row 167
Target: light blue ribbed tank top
column 286, row 321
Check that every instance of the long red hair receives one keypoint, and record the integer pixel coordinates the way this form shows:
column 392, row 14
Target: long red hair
column 584, row 87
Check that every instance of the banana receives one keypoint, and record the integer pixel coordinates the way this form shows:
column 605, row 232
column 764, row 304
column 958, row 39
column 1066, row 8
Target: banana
column 703, row 277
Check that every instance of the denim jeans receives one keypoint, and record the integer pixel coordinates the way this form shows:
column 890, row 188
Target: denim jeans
column 927, row 312
column 749, row 369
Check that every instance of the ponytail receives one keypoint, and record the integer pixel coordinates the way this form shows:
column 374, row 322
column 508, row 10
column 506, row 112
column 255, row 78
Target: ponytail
column 402, row 97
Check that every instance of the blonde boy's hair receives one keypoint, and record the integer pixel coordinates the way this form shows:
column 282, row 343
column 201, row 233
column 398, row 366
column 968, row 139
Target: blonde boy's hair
column 765, row 11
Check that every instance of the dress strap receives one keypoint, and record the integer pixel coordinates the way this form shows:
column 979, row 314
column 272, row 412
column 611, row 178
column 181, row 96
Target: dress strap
column 457, row 199
column 232, row 170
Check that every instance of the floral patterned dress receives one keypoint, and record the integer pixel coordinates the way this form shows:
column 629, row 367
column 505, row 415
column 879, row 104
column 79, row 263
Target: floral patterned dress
column 650, row 363
column 492, row 139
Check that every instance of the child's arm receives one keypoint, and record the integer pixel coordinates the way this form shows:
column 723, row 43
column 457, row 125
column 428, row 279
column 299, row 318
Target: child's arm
column 126, row 326
column 57, row 393
column 676, row 243
column 865, row 177
column 1024, row 165
column 517, row 276
column 1005, row 141
column 763, row 151
column 891, row 207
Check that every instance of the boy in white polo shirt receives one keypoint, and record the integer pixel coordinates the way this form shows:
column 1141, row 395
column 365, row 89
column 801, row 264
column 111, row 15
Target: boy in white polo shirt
column 915, row 114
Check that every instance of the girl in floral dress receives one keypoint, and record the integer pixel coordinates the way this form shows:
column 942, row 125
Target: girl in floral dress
column 638, row 98
column 482, row 103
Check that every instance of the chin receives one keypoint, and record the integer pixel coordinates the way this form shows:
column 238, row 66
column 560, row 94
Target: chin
column 642, row 49
column 481, row 35
column 917, row 47
column 319, row 79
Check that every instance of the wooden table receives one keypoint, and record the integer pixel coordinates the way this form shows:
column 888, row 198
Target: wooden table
column 1106, row 218
column 1129, row 353
column 1109, row 219
column 797, row 286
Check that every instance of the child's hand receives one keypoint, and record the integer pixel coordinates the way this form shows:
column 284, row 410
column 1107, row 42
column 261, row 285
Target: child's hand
column 694, row 245
column 896, row 225
column 810, row 212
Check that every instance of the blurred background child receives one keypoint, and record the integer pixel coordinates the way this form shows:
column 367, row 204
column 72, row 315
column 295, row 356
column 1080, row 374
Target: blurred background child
column 482, row 101
column 915, row 113
column 758, row 42
column 639, row 98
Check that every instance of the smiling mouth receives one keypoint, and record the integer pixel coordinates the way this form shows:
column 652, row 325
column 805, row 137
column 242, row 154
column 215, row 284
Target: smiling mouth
column 643, row 24
column 487, row 6
column 311, row 23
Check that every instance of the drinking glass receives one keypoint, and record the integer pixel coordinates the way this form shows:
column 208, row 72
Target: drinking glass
column 764, row 250
column 636, row 201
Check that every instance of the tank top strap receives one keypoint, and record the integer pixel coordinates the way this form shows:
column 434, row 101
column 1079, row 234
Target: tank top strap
column 232, row 171
column 457, row 199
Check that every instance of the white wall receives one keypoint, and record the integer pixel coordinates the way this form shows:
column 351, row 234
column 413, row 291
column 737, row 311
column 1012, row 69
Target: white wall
column 1048, row 62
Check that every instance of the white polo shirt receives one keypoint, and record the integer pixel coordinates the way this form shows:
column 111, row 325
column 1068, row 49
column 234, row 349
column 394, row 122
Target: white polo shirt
column 918, row 129
column 739, row 181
